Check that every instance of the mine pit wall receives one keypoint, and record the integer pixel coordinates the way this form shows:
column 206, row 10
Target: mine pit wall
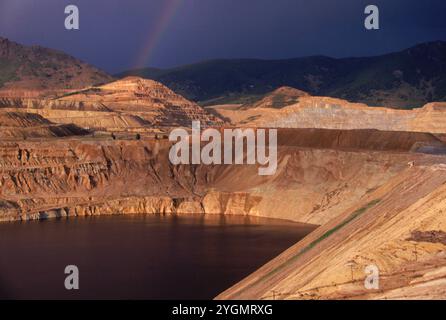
column 49, row 104
column 378, row 230
column 322, row 112
column 314, row 180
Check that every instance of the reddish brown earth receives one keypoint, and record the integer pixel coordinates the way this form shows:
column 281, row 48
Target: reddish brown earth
column 378, row 195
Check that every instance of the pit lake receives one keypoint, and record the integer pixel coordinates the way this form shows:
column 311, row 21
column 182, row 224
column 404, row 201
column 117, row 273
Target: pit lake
column 138, row 257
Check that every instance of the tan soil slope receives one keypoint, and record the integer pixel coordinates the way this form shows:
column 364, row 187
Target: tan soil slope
column 330, row 263
column 331, row 113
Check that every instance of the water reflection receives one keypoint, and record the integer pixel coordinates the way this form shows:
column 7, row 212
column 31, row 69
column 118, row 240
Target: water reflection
column 138, row 257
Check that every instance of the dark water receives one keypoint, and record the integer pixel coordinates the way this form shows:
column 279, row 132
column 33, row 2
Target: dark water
column 137, row 257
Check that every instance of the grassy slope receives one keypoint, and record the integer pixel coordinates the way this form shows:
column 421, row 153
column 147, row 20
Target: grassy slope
column 403, row 77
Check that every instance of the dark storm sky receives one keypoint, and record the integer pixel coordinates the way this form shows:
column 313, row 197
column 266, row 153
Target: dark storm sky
column 120, row 34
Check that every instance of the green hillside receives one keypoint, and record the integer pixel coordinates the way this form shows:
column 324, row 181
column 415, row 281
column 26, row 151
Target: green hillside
column 405, row 79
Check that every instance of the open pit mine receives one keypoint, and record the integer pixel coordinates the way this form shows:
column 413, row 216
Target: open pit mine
column 372, row 179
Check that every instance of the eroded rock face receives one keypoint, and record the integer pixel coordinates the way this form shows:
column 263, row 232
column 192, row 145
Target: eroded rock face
column 232, row 203
column 131, row 104
column 313, row 182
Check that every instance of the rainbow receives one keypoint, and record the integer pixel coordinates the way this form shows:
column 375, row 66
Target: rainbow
column 168, row 12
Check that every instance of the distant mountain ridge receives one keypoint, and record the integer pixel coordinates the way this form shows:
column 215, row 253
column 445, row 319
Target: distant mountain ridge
column 405, row 79
column 38, row 68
